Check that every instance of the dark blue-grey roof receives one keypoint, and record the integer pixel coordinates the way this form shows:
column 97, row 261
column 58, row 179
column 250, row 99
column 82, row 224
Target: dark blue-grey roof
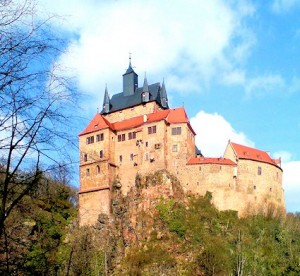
column 119, row 101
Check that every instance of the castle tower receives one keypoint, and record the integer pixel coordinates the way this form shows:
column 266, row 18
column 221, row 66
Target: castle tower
column 130, row 81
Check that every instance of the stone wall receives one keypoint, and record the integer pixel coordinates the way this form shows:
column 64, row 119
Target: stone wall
column 93, row 203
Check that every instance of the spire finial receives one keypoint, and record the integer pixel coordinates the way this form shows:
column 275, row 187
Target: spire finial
column 129, row 58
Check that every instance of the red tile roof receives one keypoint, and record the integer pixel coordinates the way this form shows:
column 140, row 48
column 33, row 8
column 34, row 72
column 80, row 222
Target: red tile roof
column 210, row 160
column 244, row 152
column 127, row 124
column 97, row 123
column 177, row 115
column 172, row 116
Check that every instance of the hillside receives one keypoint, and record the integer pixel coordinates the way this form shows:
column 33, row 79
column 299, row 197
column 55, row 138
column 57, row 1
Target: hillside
column 154, row 230
column 157, row 231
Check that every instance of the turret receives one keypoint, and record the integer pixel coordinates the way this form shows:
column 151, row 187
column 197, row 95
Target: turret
column 106, row 102
column 145, row 93
column 163, row 96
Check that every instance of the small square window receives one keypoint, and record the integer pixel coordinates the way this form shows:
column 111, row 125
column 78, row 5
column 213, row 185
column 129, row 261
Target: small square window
column 87, row 172
column 100, row 137
column 151, row 129
column 85, row 157
column 90, row 140
column 174, row 148
column 176, row 131
column 259, row 171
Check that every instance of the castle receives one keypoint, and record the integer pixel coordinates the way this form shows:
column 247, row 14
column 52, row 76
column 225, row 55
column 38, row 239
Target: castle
column 137, row 132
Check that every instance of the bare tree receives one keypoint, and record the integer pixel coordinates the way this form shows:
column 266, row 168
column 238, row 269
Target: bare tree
column 36, row 102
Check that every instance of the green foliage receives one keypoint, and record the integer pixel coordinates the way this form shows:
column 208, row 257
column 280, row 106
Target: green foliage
column 222, row 244
column 153, row 256
column 37, row 229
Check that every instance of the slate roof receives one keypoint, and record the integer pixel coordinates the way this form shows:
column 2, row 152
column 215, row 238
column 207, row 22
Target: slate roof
column 244, row 152
column 171, row 116
column 210, row 160
column 119, row 101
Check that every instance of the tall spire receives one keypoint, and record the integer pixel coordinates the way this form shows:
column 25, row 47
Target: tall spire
column 106, row 102
column 130, row 80
column 129, row 70
column 163, row 95
column 145, row 93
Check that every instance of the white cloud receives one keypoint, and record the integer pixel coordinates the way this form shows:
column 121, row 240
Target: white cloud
column 236, row 77
column 190, row 42
column 264, row 84
column 284, row 155
column 280, row 6
column 291, row 185
column 213, row 133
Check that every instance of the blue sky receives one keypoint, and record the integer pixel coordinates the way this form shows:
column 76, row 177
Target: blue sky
column 234, row 65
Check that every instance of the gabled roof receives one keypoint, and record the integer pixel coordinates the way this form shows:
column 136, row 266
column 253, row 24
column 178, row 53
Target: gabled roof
column 210, row 160
column 171, row 116
column 177, row 115
column 244, row 152
column 97, row 123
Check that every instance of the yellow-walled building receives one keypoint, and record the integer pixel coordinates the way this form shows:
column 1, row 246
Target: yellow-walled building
column 137, row 133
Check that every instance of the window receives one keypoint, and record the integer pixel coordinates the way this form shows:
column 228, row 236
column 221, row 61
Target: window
column 151, row 129
column 259, row 170
column 131, row 157
column 120, row 158
column 146, row 144
column 254, row 187
column 176, row 130
column 99, row 137
column 121, row 137
column 87, row 172
column 97, row 169
column 101, row 153
column 85, row 157
column 131, row 135
column 90, row 140
column 174, row 148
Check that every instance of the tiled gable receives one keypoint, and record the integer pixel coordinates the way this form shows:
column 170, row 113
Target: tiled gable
column 244, row 152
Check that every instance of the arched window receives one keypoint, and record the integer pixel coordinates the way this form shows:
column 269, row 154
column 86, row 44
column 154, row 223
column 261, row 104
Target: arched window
column 97, row 169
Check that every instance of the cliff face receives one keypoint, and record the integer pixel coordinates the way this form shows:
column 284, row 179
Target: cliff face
column 134, row 215
column 134, row 219
column 157, row 229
